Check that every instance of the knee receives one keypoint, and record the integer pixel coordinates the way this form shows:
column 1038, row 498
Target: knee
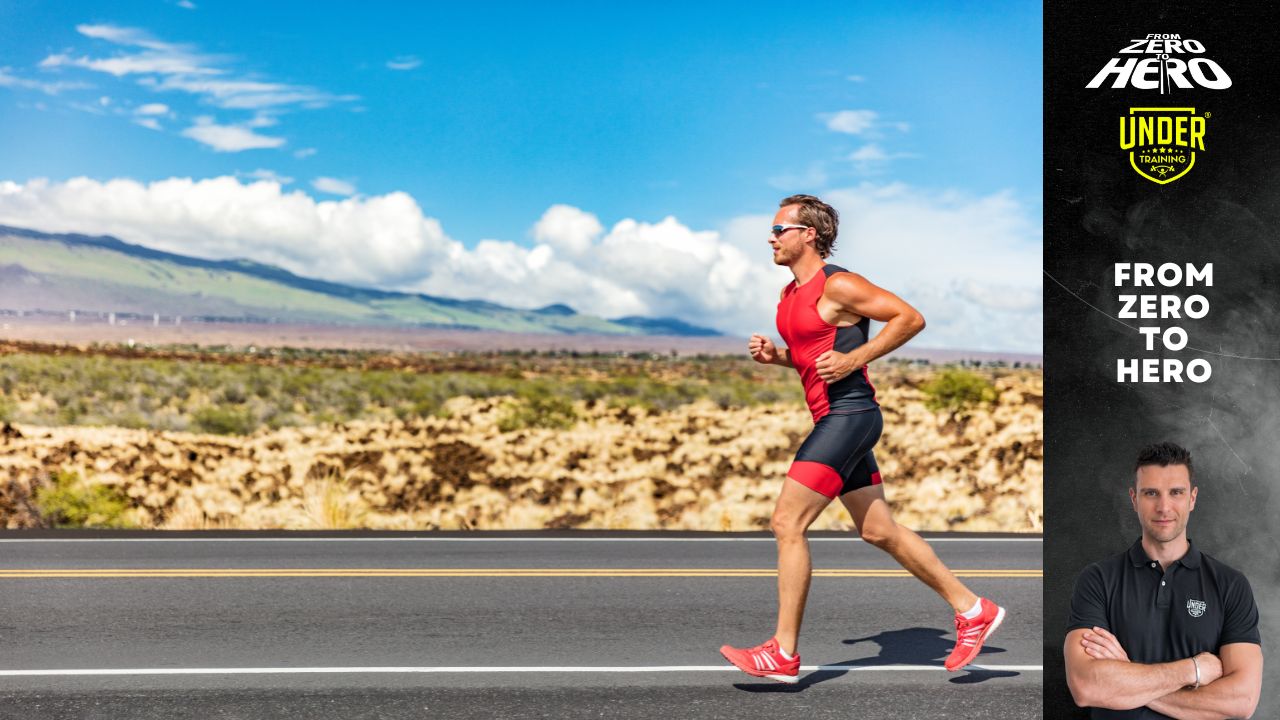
column 880, row 534
column 786, row 528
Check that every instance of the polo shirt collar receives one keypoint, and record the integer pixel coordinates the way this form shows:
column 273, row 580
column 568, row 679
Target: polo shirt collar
column 1138, row 555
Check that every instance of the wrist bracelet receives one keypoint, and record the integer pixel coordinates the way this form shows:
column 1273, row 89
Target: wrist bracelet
column 1197, row 666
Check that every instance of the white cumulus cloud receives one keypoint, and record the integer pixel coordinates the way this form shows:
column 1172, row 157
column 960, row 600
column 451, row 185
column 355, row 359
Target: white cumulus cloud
column 970, row 263
column 567, row 229
column 153, row 109
column 380, row 241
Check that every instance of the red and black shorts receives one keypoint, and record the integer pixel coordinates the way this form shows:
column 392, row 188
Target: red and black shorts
column 836, row 458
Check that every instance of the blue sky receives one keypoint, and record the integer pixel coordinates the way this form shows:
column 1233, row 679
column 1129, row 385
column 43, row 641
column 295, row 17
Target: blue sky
column 488, row 116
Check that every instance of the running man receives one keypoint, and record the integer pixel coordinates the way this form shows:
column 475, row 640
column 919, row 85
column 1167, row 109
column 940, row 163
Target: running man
column 824, row 317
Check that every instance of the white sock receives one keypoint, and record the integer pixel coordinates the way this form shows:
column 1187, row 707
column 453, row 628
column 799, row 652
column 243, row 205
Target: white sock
column 785, row 655
column 974, row 611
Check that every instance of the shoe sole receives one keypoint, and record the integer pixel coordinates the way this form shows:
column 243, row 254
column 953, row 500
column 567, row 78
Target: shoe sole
column 788, row 679
column 982, row 640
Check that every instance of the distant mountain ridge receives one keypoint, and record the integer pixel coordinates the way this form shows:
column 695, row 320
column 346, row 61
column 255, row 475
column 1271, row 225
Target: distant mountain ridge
column 64, row 272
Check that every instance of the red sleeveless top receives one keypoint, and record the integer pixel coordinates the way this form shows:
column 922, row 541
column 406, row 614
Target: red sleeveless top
column 808, row 336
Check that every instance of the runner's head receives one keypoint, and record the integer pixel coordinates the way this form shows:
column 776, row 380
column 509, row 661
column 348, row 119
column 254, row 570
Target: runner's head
column 1163, row 492
column 815, row 215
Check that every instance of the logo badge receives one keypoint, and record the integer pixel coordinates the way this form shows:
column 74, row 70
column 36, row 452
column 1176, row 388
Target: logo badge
column 1162, row 142
column 1196, row 607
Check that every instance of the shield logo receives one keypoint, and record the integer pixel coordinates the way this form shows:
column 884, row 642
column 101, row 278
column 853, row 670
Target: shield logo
column 1162, row 142
column 1196, row 607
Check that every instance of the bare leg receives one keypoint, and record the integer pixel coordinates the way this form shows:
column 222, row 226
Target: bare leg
column 875, row 522
column 797, row 508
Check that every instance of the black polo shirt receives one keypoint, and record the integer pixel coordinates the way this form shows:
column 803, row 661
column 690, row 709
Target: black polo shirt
column 1195, row 605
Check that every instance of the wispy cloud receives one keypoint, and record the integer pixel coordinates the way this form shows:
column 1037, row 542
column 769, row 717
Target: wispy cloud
column 333, row 186
column 148, row 116
column 814, row 177
column 9, row 80
column 229, row 138
column 156, row 56
column 161, row 66
column 262, row 120
column 186, row 4
column 304, row 153
column 859, row 122
column 855, row 78
column 245, row 94
column 869, row 153
column 269, row 176
column 404, row 62
column 851, row 122
column 871, row 158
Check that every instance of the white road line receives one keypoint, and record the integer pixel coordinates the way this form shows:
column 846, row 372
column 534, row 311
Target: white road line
column 486, row 669
column 479, row 539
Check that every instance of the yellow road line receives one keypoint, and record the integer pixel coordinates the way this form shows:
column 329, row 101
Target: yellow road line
column 475, row 572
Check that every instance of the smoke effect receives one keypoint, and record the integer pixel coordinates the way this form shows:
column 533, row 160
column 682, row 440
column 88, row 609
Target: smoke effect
column 1098, row 212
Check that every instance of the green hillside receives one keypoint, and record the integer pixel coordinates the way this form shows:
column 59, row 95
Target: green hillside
column 58, row 273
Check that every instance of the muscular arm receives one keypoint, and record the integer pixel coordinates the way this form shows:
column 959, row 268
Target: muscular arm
column 1234, row 695
column 1119, row 684
column 855, row 295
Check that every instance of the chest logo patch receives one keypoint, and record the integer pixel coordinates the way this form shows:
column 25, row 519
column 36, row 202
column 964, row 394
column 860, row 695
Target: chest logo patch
column 1196, row 607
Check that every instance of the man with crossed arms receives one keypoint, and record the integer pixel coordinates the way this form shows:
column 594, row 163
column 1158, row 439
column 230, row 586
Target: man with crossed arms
column 1163, row 630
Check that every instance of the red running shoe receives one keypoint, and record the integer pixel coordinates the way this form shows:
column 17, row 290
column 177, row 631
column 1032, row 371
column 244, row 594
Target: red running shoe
column 970, row 634
column 764, row 661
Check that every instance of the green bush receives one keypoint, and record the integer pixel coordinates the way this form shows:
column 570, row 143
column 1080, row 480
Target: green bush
column 68, row 501
column 955, row 390
column 8, row 408
column 224, row 421
column 548, row 411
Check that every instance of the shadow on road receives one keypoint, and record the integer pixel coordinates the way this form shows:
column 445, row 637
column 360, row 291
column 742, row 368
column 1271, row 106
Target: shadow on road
column 910, row 646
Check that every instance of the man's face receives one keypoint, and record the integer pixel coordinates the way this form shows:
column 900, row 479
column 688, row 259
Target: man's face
column 1163, row 499
column 788, row 246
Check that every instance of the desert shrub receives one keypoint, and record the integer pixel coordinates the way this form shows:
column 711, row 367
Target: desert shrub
column 8, row 408
column 173, row 394
column 331, row 503
column 955, row 389
column 69, row 501
column 224, row 420
column 544, row 411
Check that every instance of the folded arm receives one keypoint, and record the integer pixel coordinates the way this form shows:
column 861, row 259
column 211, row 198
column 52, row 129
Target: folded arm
column 1234, row 695
column 1097, row 677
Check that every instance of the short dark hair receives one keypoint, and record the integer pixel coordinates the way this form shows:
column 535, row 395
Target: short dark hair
column 819, row 216
column 1164, row 454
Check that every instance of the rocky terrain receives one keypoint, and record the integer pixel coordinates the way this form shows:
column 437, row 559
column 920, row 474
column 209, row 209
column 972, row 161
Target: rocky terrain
column 697, row 466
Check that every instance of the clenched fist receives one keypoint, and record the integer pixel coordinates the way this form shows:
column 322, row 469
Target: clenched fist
column 833, row 366
column 762, row 349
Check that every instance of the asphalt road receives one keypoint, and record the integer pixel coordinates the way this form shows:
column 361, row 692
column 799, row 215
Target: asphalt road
column 494, row 626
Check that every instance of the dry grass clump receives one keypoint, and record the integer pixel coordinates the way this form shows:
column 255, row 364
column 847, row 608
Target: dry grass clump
column 593, row 464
